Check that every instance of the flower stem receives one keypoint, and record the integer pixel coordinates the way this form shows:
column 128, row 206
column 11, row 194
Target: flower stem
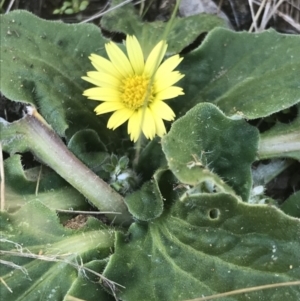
column 49, row 148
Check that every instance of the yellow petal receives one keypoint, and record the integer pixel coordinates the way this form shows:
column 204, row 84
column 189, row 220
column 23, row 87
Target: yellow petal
column 135, row 54
column 168, row 65
column 102, row 79
column 102, row 94
column 159, row 124
column 134, row 125
column 118, row 118
column 155, row 57
column 168, row 93
column 162, row 110
column 108, row 106
column 119, row 59
column 168, row 80
column 148, row 124
column 104, row 65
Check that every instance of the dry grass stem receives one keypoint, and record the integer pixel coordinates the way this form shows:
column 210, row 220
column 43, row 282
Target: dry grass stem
column 11, row 3
column 252, row 15
column 247, row 290
column 14, row 266
column 5, row 284
column 85, row 212
column 60, row 258
column 289, row 11
column 255, row 17
column 289, row 20
column 38, row 181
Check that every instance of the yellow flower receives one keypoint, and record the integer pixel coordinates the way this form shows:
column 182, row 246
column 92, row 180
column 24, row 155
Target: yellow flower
column 134, row 88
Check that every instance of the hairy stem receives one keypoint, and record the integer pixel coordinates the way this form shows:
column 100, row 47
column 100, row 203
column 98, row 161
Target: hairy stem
column 47, row 146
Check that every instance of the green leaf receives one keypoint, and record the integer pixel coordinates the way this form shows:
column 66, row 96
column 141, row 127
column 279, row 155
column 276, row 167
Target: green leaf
column 244, row 74
column 147, row 203
column 52, row 191
column 208, row 244
column 88, row 288
column 183, row 32
column 114, row 159
column 205, row 142
column 13, row 137
column 151, row 158
column 291, row 206
column 123, row 162
column 88, row 147
column 43, row 259
column 83, row 5
column 42, row 63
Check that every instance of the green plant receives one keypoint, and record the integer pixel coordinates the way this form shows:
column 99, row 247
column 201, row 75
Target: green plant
column 72, row 7
column 192, row 221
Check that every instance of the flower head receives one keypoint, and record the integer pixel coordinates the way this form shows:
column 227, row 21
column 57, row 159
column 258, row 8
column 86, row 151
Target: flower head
column 134, row 88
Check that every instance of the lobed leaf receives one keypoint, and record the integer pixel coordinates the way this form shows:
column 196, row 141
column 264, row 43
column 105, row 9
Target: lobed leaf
column 208, row 244
column 244, row 74
column 43, row 62
column 205, row 142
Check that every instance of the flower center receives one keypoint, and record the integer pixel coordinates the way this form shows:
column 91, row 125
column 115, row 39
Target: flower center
column 135, row 91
